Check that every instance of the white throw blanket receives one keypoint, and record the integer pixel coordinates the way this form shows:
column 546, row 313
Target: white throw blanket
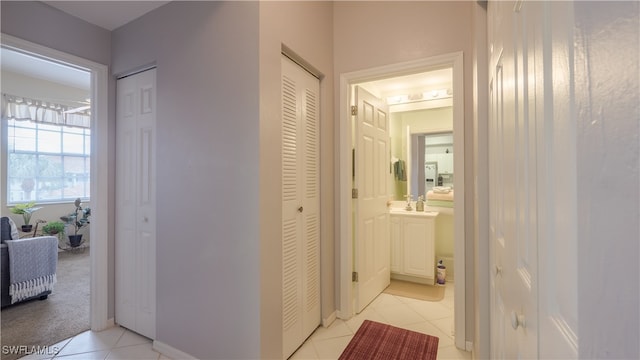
column 32, row 266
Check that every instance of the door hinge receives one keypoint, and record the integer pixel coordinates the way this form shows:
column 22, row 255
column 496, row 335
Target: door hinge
column 354, row 110
column 354, row 276
column 354, row 193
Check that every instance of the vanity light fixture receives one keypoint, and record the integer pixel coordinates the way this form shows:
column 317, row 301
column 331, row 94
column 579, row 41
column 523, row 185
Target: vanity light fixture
column 426, row 96
column 398, row 99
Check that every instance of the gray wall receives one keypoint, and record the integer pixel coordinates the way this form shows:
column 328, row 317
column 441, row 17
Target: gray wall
column 607, row 86
column 41, row 24
column 208, row 289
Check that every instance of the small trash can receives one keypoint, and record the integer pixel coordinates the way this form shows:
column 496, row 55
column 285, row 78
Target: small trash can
column 441, row 274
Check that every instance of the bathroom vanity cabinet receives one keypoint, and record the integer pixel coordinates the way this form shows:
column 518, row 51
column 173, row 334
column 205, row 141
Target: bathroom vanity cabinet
column 413, row 246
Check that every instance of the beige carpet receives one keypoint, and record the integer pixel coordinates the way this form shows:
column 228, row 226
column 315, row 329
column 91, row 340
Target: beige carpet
column 415, row 291
column 64, row 314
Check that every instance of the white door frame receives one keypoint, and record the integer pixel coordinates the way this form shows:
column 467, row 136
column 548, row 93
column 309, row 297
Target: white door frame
column 99, row 229
column 344, row 215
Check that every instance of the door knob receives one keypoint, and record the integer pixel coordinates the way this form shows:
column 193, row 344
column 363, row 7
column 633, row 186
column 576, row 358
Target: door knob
column 146, row 219
column 517, row 320
column 300, row 209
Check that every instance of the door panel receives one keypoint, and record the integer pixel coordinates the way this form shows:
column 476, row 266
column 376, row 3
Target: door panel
column 125, row 205
column 415, row 247
column 532, row 192
column 525, row 185
column 136, row 203
column 558, row 318
column 300, row 205
column 372, row 255
column 291, row 226
column 498, row 249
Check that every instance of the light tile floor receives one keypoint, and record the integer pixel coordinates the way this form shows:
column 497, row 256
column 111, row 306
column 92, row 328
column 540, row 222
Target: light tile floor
column 433, row 318
column 115, row 343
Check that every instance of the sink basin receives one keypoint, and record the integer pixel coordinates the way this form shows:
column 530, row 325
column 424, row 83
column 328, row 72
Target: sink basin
column 402, row 211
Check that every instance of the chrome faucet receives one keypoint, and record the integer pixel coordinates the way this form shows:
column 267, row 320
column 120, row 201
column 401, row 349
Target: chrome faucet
column 408, row 207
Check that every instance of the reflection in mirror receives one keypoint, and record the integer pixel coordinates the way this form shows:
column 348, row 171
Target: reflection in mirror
column 434, row 162
column 421, row 151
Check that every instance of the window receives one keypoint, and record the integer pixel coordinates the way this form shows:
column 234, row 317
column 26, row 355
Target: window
column 47, row 162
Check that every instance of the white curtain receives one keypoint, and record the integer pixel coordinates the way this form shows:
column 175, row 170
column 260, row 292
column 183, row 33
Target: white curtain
column 21, row 109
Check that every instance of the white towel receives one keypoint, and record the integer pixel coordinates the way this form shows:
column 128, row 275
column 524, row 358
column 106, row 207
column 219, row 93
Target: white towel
column 431, row 195
column 441, row 189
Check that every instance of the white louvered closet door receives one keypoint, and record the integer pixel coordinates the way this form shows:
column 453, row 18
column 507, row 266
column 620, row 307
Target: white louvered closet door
column 300, row 205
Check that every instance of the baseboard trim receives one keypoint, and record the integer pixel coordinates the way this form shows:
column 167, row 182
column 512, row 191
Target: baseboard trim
column 170, row 351
column 341, row 315
column 329, row 320
column 415, row 279
column 469, row 346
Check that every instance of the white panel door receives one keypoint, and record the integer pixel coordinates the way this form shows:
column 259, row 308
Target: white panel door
column 498, row 323
column 500, row 343
column 513, row 212
column 372, row 255
column 135, row 243
column 300, row 205
column 533, row 299
column 521, row 226
column 556, row 178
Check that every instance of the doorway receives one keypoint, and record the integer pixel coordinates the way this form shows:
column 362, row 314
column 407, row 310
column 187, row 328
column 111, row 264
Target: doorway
column 345, row 213
column 99, row 181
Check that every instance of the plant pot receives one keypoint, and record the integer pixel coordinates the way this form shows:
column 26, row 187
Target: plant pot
column 27, row 228
column 75, row 240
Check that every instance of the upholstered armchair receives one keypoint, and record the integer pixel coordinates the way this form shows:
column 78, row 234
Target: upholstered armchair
column 34, row 261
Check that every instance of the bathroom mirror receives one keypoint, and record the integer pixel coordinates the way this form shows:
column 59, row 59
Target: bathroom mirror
column 421, row 151
column 431, row 162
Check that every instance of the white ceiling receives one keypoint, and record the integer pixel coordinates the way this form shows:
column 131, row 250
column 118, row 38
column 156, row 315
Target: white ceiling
column 109, row 15
column 17, row 62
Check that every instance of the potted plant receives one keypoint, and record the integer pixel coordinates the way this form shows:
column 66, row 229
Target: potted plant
column 78, row 219
column 53, row 228
column 26, row 210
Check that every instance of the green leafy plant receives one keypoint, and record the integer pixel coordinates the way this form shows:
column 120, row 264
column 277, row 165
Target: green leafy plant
column 54, row 227
column 79, row 218
column 26, row 210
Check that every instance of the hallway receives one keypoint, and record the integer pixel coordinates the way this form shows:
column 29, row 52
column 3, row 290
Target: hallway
column 433, row 318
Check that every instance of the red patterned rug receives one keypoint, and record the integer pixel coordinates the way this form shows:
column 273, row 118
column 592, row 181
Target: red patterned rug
column 374, row 340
